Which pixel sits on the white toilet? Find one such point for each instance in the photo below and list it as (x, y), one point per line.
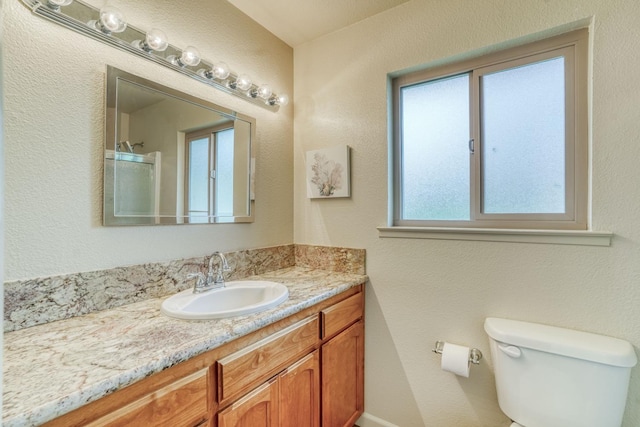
(555, 377)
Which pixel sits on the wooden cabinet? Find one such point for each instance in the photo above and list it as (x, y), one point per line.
(257, 409)
(290, 399)
(341, 315)
(343, 362)
(243, 370)
(176, 397)
(299, 388)
(306, 370)
(343, 378)
(183, 402)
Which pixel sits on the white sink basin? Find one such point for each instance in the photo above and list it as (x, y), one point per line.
(235, 299)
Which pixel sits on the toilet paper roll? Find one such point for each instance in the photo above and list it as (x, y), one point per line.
(455, 358)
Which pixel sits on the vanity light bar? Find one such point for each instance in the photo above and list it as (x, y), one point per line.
(109, 27)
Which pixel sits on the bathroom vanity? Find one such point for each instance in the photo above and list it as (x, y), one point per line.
(299, 364)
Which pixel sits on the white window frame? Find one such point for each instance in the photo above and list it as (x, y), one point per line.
(212, 135)
(573, 47)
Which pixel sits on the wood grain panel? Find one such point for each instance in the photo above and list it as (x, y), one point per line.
(343, 378)
(182, 403)
(257, 409)
(245, 369)
(300, 393)
(339, 316)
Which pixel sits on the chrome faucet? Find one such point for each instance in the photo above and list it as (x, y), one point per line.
(205, 283)
(218, 282)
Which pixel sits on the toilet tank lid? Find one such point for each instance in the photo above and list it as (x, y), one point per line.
(565, 342)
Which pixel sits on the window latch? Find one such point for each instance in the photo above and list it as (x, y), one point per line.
(472, 146)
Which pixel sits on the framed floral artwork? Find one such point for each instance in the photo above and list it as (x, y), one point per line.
(328, 173)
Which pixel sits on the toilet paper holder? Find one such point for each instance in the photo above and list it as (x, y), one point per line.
(475, 355)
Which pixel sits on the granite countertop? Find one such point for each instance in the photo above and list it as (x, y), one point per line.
(54, 368)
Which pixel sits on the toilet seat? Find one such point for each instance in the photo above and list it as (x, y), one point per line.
(514, 424)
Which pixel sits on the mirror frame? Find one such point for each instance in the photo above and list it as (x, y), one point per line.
(111, 136)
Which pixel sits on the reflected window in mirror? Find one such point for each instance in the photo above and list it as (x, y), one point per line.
(210, 167)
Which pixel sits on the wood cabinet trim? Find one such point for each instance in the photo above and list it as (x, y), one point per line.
(245, 369)
(195, 408)
(292, 392)
(341, 315)
(265, 394)
(340, 401)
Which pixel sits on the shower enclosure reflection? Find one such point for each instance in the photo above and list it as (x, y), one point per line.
(171, 158)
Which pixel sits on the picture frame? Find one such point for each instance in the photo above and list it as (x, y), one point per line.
(328, 172)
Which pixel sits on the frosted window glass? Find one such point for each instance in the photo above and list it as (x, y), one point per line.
(224, 173)
(435, 153)
(199, 176)
(523, 148)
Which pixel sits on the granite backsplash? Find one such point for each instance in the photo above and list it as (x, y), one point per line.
(36, 301)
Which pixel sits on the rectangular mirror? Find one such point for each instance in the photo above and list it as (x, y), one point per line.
(171, 158)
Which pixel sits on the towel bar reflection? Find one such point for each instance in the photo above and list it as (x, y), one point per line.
(475, 355)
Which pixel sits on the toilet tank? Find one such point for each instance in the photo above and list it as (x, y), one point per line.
(554, 377)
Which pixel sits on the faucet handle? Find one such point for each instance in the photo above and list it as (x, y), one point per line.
(200, 280)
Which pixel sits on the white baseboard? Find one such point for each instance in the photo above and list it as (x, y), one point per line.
(368, 420)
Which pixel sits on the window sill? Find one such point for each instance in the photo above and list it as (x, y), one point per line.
(556, 237)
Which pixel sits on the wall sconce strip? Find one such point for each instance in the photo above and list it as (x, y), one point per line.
(76, 15)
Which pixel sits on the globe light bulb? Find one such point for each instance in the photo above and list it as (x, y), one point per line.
(221, 70)
(154, 40)
(282, 99)
(243, 82)
(112, 20)
(264, 91)
(190, 56)
(157, 40)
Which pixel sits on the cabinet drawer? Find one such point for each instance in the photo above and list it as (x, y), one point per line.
(340, 315)
(182, 403)
(244, 369)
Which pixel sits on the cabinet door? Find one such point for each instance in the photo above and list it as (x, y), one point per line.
(257, 409)
(300, 393)
(343, 378)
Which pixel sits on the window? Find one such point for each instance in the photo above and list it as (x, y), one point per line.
(499, 141)
(209, 171)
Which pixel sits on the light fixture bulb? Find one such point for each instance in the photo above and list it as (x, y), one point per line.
(243, 82)
(282, 99)
(56, 4)
(190, 56)
(112, 20)
(155, 40)
(221, 70)
(264, 91)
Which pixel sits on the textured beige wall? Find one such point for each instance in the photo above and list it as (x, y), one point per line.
(54, 105)
(425, 290)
